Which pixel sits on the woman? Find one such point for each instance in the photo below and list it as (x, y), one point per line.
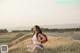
(37, 40)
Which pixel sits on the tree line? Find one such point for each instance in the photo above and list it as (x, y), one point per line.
(3, 31)
(60, 30)
(43, 29)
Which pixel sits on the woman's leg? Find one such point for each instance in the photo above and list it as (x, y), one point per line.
(38, 50)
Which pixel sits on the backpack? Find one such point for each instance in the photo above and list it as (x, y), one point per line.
(41, 35)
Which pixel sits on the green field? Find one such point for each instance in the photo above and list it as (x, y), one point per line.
(8, 37)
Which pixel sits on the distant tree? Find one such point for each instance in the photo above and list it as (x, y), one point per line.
(3, 30)
(21, 31)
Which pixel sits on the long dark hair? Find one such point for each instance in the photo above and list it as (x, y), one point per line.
(38, 29)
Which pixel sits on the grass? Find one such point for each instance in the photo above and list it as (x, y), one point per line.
(67, 42)
(8, 37)
(62, 49)
(55, 45)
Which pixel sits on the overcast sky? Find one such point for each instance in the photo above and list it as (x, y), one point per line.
(15, 13)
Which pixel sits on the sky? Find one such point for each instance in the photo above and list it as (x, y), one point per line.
(17, 13)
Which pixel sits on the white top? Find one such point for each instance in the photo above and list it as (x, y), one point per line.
(34, 39)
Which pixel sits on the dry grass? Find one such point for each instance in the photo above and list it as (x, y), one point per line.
(67, 42)
(55, 45)
(62, 45)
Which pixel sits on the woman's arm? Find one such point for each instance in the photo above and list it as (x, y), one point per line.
(41, 37)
